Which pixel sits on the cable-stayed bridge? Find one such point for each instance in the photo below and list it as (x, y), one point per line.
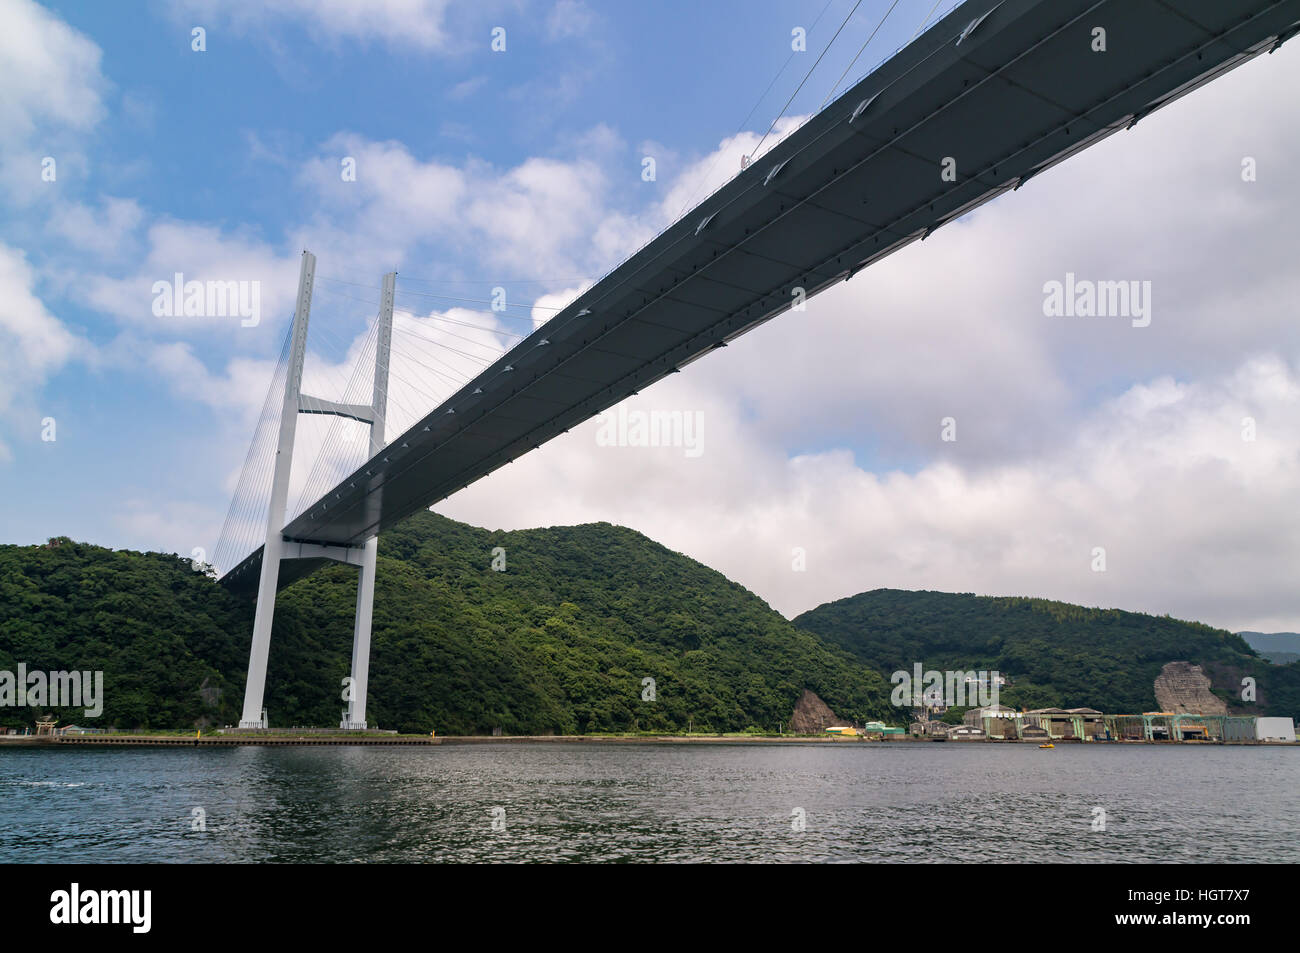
(993, 93)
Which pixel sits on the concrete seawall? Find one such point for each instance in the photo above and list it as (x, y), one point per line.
(255, 740)
(220, 741)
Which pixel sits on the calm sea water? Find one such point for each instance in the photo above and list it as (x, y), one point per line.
(860, 802)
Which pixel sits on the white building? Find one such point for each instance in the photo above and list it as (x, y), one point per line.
(1274, 729)
(976, 716)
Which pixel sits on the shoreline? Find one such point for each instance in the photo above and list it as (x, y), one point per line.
(340, 740)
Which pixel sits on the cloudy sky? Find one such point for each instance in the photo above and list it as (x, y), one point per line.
(1174, 447)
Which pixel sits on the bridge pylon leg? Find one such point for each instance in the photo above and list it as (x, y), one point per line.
(255, 687)
(354, 716)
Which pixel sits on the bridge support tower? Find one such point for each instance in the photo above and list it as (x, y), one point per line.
(279, 549)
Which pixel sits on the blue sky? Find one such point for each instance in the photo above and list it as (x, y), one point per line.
(183, 124)
(217, 139)
(523, 169)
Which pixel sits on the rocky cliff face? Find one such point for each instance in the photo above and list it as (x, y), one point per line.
(812, 716)
(1182, 688)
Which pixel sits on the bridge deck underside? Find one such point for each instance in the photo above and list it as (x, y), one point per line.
(1024, 90)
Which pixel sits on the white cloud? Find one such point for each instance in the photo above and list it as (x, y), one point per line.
(33, 342)
(466, 88)
(434, 354)
(540, 203)
(411, 23)
(1059, 450)
(106, 231)
(36, 337)
(240, 388)
(536, 219)
(51, 72)
(53, 94)
(199, 253)
(549, 305)
(705, 176)
(569, 19)
(822, 429)
(954, 325)
(1195, 520)
(165, 526)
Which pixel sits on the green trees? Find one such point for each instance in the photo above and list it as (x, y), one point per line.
(156, 628)
(1054, 653)
(559, 642)
(563, 640)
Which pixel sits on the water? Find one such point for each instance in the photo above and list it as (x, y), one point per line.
(647, 802)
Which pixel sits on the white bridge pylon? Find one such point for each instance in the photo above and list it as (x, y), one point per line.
(278, 548)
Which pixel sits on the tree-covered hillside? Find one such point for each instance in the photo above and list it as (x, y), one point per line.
(156, 629)
(562, 640)
(1054, 653)
(559, 642)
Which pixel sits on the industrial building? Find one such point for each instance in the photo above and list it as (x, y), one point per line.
(1000, 723)
(1274, 729)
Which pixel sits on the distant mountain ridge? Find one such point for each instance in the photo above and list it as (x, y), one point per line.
(1281, 648)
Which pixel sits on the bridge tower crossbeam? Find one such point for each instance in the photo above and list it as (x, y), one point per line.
(278, 548)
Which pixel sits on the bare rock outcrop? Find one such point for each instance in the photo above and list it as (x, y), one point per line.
(1182, 688)
(812, 716)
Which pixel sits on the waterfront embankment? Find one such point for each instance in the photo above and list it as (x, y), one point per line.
(257, 739)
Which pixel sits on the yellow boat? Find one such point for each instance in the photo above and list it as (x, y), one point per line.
(1047, 746)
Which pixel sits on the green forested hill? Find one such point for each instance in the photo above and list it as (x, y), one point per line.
(148, 621)
(1054, 653)
(559, 642)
